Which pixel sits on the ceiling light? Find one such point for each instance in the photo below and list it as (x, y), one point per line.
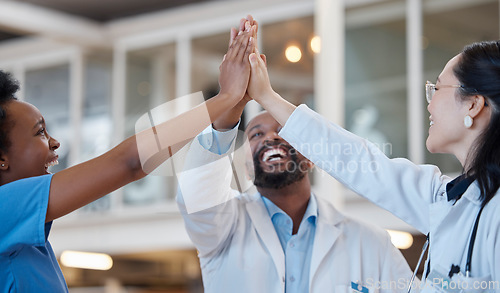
(86, 260)
(315, 44)
(293, 53)
(400, 239)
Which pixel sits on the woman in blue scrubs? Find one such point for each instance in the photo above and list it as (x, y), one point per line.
(31, 198)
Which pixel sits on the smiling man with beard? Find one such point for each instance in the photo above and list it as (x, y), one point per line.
(281, 238)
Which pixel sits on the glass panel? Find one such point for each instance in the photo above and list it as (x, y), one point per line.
(207, 54)
(292, 80)
(150, 83)
(375, 94)
(446, 31)
(97, 121)
(48, 90)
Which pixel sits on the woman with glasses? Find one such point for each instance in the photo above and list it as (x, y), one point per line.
(460, 216)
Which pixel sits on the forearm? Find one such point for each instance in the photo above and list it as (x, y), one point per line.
(278, 107)
(403, 188)
(230, 118)
(131, 160)
(158, 144)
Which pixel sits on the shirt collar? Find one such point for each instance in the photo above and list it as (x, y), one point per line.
(311, 211)
(457, 187)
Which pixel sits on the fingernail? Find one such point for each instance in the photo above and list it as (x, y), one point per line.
(240, 32)
(250, 40)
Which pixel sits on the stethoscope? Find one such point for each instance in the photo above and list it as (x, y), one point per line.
(469, 253)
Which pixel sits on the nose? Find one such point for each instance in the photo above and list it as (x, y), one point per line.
(272, 136)
(54, 144)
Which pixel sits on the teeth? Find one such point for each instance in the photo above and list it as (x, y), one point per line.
(50, 164)
(268, 154)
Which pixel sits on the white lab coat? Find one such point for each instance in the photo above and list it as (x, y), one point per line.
(415, 193)
(239, 249)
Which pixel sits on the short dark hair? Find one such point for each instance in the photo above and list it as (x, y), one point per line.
(8, 88)
(478, 71)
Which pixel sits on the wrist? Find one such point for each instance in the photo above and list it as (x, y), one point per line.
(230, 118)
(230, 97)
(266, 97)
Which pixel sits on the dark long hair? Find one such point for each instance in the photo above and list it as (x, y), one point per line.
(8, 88)
(478, 71)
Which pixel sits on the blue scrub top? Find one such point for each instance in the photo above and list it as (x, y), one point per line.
(27, 261)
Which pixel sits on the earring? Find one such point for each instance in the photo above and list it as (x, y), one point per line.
(468, 121)
(3, 165)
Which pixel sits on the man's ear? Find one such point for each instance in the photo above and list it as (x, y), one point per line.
(310, 165)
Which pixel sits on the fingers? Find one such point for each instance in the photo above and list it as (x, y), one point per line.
(245, 47)
(256, 24)
(249, 49)
(232, 36)
(238, 48)
(242, 24)
(264, 58)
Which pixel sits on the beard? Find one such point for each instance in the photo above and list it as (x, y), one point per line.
(278, 179)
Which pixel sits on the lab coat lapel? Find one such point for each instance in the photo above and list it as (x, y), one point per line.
(264, 226)
(325, 236)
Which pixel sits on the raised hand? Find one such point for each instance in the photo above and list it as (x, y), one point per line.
(259, 87)
(247, 27)
(235, 68)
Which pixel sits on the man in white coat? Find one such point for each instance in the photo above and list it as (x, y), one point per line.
(281, 238)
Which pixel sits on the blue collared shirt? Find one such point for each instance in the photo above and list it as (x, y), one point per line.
(297, 248)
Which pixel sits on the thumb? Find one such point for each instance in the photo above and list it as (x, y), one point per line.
(253, 59)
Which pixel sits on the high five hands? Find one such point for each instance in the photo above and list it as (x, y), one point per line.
(258, 87)
(253, 86)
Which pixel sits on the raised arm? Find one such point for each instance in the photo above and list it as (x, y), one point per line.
(403, 188)
(205, 198)
(79, 185)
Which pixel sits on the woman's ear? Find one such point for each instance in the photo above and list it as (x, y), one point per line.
(476, 105)
(4, 162)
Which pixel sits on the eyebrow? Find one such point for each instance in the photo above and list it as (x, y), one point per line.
(256, 126)
(40, 122)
